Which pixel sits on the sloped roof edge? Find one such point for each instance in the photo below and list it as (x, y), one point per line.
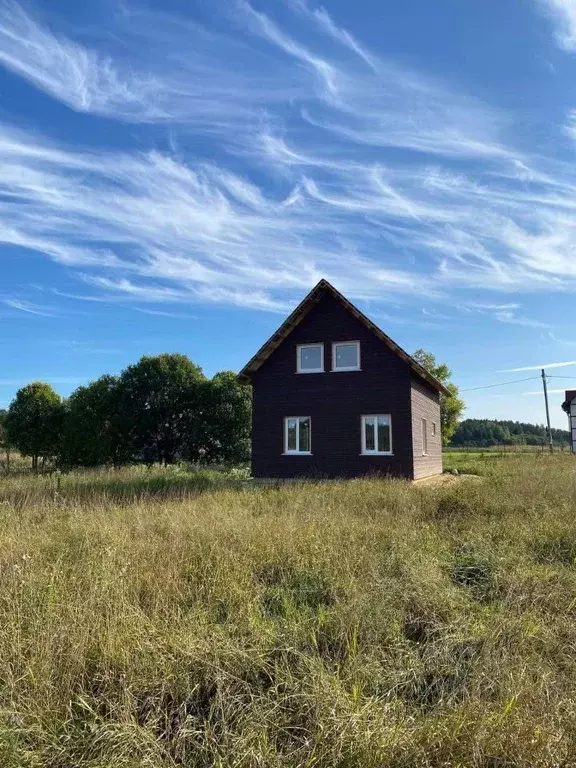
(300, 313)
(570, 396)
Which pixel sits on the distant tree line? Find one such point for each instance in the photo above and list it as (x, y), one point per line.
(484, 433)
(162, 409)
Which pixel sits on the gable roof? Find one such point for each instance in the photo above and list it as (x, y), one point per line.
(300, 313)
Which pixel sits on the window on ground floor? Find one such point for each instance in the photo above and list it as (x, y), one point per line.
(297, 435)
(377, 434)
(424, 437)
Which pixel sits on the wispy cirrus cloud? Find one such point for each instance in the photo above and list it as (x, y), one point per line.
(72, 73)
(166, 70)
(539, 392)
(29, 308)
(538, 367)
(309, 183)
(506, 313)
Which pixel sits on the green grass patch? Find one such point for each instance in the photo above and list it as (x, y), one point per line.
(183, 618)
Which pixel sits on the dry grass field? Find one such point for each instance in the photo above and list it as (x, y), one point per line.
(167, 618)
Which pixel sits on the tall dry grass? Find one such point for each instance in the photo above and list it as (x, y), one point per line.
(364, 623)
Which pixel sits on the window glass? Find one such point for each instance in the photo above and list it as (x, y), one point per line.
(346, 355)
(384, 441)
(369, 434)
(291, 435)
(424, 437)
(304, 435)
(310, 358)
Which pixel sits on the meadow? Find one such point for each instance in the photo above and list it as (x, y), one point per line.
(174, 617)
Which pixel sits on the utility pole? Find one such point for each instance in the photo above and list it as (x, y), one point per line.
(545, 385)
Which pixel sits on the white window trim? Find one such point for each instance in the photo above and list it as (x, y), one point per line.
(347, 368)
(310, 346)
(363, 451)
(296, 452)
(424, 427)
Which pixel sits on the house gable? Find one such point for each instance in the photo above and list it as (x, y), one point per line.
(319, 292)
(334, 401)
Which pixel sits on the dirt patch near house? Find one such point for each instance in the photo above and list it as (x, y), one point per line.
(447, 479)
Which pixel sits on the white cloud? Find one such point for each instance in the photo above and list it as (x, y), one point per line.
(540, 392)
(30, 308)
(563, 14)
(165, 70)
(302, 119)
(162, 313)
(538, 367)
(76, 75)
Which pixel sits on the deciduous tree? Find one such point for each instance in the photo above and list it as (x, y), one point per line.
(92, 432)
(160, 401)
(34, 422)
(227, 421)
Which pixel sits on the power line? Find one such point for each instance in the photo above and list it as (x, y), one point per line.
(502, 384)
(562, 377)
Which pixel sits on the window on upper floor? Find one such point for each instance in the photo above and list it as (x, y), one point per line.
(310, 358)
(376, 434)
(346, 356)
(297, 435)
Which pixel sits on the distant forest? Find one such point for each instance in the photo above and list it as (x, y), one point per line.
(483, 433)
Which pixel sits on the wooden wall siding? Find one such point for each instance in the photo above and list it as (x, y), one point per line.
(426, 405)
(334, 401)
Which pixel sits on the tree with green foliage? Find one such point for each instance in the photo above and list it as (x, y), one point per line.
(34, 422)
(484, 433)
(4, 444)
(451, 408)
(160, 405)
(227, 419)
(92, 431)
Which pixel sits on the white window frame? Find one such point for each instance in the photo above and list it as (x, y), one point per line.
(296, 452)
(363, 450)
(346, 368)
(433, 429)
(424, 426)
(299, 347)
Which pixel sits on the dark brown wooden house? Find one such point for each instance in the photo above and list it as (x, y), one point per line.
(334, 396)
(569, 405)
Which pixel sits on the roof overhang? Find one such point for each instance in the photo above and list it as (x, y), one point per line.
(300, 313)
(570, 397)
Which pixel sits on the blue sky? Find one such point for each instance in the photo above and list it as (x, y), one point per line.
(175, 176)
